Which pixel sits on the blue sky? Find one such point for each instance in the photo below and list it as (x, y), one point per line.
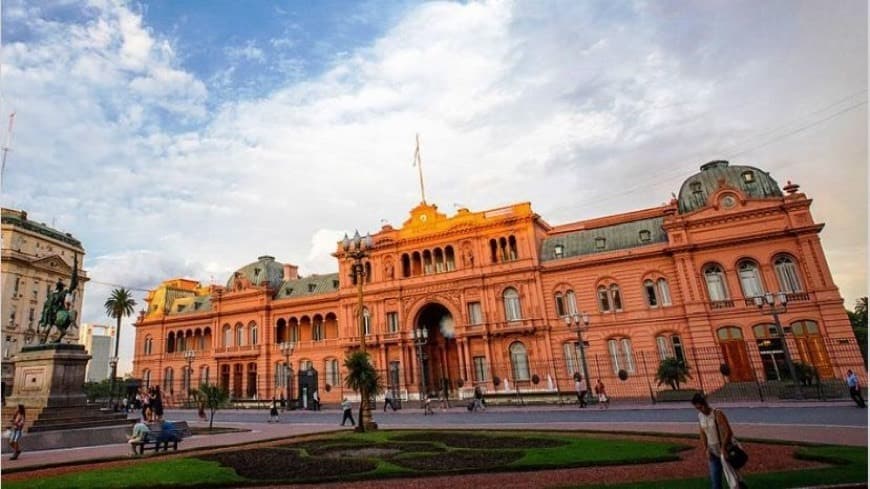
(186, 138)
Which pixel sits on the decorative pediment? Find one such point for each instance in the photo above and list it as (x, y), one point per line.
(52, 263)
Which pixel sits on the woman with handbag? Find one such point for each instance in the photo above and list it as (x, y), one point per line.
(724, 454)
(17, 430)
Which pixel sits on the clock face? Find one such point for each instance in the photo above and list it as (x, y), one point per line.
(423, 218)
(728, 201)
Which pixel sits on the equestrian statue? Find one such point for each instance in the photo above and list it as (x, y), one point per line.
(57, 311)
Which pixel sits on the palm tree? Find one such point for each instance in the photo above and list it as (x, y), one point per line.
(363, 378)
(118, 305)
(214, 398)
(672, 372)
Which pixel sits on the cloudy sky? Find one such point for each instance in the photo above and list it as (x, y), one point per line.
(188, 138)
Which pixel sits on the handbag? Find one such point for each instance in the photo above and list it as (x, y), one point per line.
(7, 433)
(734, 453)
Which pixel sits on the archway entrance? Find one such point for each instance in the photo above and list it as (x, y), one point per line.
(440, 353)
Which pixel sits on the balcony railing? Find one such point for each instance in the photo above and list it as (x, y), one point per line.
(723, 304)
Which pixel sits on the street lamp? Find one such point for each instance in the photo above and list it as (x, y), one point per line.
(287, 349)
(113, 365)
(579, 322)
(189, 355)
(421, 336)
(776, 304)
(356, 249)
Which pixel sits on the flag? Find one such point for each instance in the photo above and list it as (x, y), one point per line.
(417, 152)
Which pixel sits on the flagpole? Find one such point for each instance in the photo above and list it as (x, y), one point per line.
(418, 162)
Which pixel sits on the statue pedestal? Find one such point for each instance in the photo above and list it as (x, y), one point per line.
(49, 375)
(48, 382)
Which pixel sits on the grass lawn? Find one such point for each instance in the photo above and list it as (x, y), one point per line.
(424, 453)
(851, 466)
(174, 472)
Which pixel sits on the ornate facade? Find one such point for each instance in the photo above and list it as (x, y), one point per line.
(501, 292)
(34, 258)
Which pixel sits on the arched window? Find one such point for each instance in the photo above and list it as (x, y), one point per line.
(651, 294)
(281, 331)
(493, 251)
(615, 297)
(367, 321)
(603, 299)
(571, 302)
(750, 279)
(519, 361)
(170, 343)
(560, 305)
(228, 335)
(717, 289)
(146, 377)
(305, 365)
(621, 355)
(368, 272)
(406, 265)
(439, 260)
(255, 337)
(512, 310)
(293, 330)
(449, 259)
(332, 372)
(670, 346)
(512, 248)
(664, 292)
(168, 378)
(573, 358)
(416, 264)
(787, 274)
(240, 335)
(204, 375)
(317, 329)
(148, 345)
(427, 262)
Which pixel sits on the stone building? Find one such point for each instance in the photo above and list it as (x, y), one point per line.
(99, 340)
(502, 294)
(34, 257)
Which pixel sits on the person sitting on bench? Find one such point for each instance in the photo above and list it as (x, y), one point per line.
(168, 434)
(140, 434)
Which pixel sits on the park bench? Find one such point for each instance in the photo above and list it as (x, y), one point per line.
(153, 440)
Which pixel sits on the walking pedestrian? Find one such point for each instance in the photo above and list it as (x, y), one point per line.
(316, 398)
(17, 428)
(716, 438)
(855, 389)
(201, 412)
(346, 408)
(581, 388)
(388, 401)
(273, 412)
(478, 399)
(427, 405)
(601, 392)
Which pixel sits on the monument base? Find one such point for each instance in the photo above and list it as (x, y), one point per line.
(48, 382)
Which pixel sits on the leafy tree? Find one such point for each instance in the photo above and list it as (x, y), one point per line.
(363, 378)
(672, 372)
(214, 398)
(97, 390)
(805, 373)
(119, 304)
(858, 318)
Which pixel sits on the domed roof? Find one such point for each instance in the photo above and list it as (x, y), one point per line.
(264, 271)
(751, 181)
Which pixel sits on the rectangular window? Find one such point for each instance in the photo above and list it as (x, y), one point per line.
(17, 285)
(628, 355)
(615, 359)
(650, 290)
(475, 315)
(392, 322)
(332, 372)
(480, 369)
(31, 315)
(394, 378)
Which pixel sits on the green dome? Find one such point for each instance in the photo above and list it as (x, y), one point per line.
(751, 181)
(264, 271)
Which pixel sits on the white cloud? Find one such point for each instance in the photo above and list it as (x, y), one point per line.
(582, 110)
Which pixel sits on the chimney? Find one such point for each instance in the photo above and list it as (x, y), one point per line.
(291, 272)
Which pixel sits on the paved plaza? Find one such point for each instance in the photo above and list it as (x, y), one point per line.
(829, 423)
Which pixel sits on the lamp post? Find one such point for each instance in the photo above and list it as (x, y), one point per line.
(579, 322)
(113, 365)
(189, 355)
(421, 336)
(287, 349)
(776, 304)
(356, 249)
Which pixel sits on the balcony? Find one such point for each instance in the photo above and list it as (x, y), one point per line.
(790, 297)
(723, 304)
(522, 326)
